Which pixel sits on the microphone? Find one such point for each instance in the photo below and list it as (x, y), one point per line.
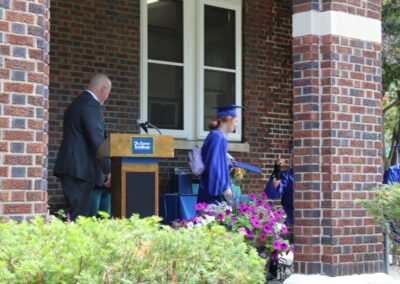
(143, 125)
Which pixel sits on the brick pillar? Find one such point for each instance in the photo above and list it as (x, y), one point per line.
(337, 135)
(24, 73)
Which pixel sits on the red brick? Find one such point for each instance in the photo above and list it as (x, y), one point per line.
(36, 196)
(17, 160)
(40, 208)
(347, 258)
(36, 78)
(3, 171)
(4, 98)
(18, 135)
(34, 172)
(34, 148)
(36, 124)
(4, 123)
(17, 208)
(19, 40)
(20, 64)
(4, 26)
(16, 184)
(4, 196)
(4, 74)
(19, 5)
(36, 54)
(19, 111)
(17, 196)
(20, 17)
(18, 87)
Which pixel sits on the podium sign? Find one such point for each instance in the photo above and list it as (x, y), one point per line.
(134, 171)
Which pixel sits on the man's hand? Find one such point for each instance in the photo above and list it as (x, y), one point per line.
(108, 181)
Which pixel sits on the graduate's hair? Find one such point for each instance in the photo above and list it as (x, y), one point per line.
(214, 123)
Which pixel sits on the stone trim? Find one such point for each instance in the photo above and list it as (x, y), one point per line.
(336, 23)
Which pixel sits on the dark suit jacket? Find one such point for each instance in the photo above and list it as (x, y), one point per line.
(83, 133)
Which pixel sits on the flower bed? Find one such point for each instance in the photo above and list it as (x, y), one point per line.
(259, 223)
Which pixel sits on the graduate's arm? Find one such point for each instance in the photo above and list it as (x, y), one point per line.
(214, 158)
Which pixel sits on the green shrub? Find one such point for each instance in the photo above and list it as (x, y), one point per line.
(385, 208)
(124, 251)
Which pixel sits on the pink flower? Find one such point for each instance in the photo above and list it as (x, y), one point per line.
(228, 212)
(262, 237)
(276, 245)
(261, 215)
(264, 195)
(259, 202)
(252, 208)
(184, 224)
(284, 230)
(220, 217)
(243, 209)
(252, 196)
(279, 213)
(284, 246)
(242, 230)
(253, 217)
(200, 206)
(255, 223)
(267, 228)
(249, 234)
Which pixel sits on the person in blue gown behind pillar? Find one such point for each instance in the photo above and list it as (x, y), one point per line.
(215, 181)
(280, 185)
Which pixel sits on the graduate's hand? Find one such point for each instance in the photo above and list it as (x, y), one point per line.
(280, 162)
(228, 195)
(276, 183)
(276, 174)
(108, 181)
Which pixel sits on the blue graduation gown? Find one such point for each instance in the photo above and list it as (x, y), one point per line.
(215, 178)
(392, 175)
(284, 191)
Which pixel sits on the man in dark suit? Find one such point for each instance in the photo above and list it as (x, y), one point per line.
(83, 133)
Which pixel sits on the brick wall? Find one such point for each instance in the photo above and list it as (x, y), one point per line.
(24, 36)
(337, 141)
(368, 8)
(107, 40)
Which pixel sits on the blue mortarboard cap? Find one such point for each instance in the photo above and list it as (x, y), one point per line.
(229, 110)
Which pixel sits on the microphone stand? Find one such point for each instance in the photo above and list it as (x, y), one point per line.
(155, 127)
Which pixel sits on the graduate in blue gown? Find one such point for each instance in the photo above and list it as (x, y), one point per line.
(392, 174)
(215, 180)
(280, 185)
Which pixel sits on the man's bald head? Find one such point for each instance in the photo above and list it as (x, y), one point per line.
(100, 85)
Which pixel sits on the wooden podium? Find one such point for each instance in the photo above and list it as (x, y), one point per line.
(134, 171)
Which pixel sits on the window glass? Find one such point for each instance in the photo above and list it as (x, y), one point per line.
(219, 90)
(165, 30)
(165, 96)
(219, 37)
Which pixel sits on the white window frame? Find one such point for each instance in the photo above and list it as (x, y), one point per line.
(193, 66)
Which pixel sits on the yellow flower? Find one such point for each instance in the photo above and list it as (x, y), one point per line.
(237, 173)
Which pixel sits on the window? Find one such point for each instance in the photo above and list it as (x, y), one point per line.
(190, 63)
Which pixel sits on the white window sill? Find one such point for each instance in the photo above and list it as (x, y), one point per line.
(232, 146)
